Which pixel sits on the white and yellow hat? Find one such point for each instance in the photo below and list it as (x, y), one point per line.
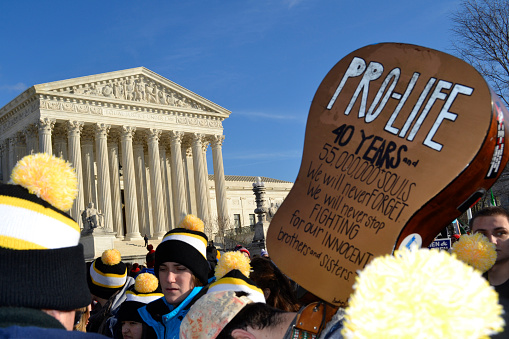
(41, 259)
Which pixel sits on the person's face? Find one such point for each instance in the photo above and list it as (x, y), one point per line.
(176, 281)
(132, 330)
(496, 229)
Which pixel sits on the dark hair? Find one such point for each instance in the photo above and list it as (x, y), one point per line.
(267, 276)
(257, 316)
(489, 212)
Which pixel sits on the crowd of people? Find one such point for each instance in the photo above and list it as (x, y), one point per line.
(186, 288)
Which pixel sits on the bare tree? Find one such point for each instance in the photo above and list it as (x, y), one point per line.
(482, 31)
(216, 228)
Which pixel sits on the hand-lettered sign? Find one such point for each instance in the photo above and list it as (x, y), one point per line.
(400, 140)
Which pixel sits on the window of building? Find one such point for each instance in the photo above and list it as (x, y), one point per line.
(251, 220)
(236, 220)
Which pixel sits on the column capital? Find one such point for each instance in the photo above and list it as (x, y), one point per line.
(46, 124)
(176, 136)
(74, 127)
(154, 134)
(102, 129)
(217, 140)
(128, 131)
(198, 137)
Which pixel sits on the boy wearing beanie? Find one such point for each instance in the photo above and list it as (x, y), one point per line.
(182, 269)
(36, 232)
(108, 281)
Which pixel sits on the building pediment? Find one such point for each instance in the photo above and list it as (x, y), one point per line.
(135, 86)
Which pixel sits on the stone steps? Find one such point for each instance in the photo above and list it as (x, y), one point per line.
(134, 250)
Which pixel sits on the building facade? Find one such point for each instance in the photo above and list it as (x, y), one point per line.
(138, 142)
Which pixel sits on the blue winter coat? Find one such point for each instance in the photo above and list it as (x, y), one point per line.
(164, 318)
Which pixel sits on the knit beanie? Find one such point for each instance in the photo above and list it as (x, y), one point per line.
(232, 274)
(41, 259)
(185, 245)
(244, 250)
(107, 274)
(145, 290)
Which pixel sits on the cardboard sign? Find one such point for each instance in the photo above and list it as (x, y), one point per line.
(400, 140)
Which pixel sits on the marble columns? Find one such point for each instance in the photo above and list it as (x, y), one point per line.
(103, 175)
(74, 129)
(177, 176)
(200, 179)
(130, 197)
(217, 156)
(156, 183)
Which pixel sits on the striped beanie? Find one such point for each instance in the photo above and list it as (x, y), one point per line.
(145, 290)
(42, 261)
(232, 274)
(187, 246)
(107, 274)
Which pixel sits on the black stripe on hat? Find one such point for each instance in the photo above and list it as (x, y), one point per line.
(184, 254)
(52, 279)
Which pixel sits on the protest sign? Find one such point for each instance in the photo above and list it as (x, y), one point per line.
(400, 140)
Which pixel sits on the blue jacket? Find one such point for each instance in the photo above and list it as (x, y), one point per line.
(164, 318)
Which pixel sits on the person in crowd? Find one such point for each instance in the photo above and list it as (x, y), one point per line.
(231, 314)
(145, 237)
(232, 273)
(43, 268)
(275, 285)
(108, 281)
(135, 270)
(212, 257)
(182, 269)
(264, 253)
(81, 318)
(244, 251)
(129, 324)
(150, 257)
(493, 222)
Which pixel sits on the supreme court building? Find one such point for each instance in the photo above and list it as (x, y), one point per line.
(138, 142)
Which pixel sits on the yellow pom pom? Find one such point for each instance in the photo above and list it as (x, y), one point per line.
(421, 294)
(111, 257)
(146, 283)
(193, 223)
(475, 250)
(50, 178)
(231, 261)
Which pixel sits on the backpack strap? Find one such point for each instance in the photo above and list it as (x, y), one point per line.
(312, 320)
